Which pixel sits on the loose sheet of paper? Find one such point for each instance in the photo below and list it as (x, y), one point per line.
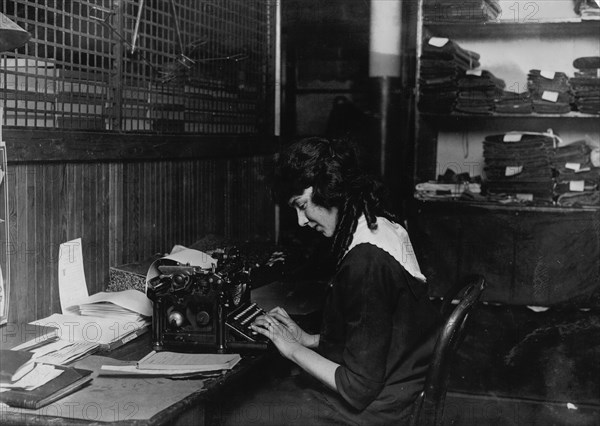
(184, 256)
(72, 288)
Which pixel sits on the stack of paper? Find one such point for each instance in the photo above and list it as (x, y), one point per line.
(26, 336)
(103, 320)
(127, 306)
(105, 332)
(62, 352)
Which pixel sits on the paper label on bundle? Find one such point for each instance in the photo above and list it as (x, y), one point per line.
(548, 74)
(550, 96)
(476, 73)
(577, 185)
(438, 41)
(512, 137)
(524, 197)
(513, 170)
(573, 166)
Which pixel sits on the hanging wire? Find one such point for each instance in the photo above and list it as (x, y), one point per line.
(177, 69)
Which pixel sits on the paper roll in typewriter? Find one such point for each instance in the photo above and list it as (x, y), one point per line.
(202, 303)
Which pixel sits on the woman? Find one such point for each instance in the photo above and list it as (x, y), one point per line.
(378, 328)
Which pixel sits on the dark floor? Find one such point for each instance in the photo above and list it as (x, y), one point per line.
(519, 367)
(515, 367)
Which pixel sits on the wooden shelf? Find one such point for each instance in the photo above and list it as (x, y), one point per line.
(560, 29)
(494, 116)
(453, 203)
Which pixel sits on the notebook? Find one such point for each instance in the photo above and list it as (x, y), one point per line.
(68, 382)
(166, 360)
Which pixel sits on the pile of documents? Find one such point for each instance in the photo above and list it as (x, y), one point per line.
(101, 321)
(105, 320)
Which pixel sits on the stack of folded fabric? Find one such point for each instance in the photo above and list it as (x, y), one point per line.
(589, 10)
(572, 158)
(586, 84)
(459, 12)
(519, 164)
(478, 91)
(514, 103)
(550, 92)
(577, 180)
(443, 61)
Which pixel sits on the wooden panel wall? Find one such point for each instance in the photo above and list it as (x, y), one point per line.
(124, 212)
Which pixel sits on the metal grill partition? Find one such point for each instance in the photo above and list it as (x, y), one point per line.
(155, 66)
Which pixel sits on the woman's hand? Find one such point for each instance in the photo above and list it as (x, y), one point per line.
(305, 339)
(283, 331)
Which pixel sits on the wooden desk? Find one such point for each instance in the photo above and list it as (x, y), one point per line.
(138, 401)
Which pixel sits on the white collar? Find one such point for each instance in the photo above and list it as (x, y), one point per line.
(393, 239)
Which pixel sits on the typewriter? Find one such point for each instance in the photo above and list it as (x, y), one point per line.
(205, 310)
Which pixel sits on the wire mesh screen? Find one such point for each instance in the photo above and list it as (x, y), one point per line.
(160, 66)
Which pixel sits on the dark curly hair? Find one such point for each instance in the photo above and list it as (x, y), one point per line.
(332, 168)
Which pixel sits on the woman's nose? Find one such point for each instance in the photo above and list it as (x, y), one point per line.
(302, 220)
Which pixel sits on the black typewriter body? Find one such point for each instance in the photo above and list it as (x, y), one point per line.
(204, 310)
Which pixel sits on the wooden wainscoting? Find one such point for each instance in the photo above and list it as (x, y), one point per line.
(124, 212)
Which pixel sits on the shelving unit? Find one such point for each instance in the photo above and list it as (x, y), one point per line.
(522, 258)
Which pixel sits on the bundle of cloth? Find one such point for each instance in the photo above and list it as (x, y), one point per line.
(514, 103)
(585, 85)
(452, 11)
(577, 177)
(478, 92)
(443, 62)
(589, 10)
(550, 92)
(519, 164)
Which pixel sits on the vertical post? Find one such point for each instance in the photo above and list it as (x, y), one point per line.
(277, 101)
(118, 53)
(384, 73)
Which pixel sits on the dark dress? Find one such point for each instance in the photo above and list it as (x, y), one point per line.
(380, 326)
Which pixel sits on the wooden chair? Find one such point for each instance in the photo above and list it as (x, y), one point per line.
(429, 406)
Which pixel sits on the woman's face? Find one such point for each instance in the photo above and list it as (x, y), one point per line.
(318, 218)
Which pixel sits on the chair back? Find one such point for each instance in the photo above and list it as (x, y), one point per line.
(429, 407)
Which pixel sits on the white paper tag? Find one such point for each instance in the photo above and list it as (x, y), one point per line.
(513, 170)
(598, 72)
(577, 185)
(550, 96)
(548, 74)
(512, 137)
(573, 166)
(438, 41)
(524, 197)
(474, 72)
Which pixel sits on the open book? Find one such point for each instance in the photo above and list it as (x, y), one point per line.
(187, 361)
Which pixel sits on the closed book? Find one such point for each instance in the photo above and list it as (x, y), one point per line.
(68, 382)
(14, 365)
(166, 360)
